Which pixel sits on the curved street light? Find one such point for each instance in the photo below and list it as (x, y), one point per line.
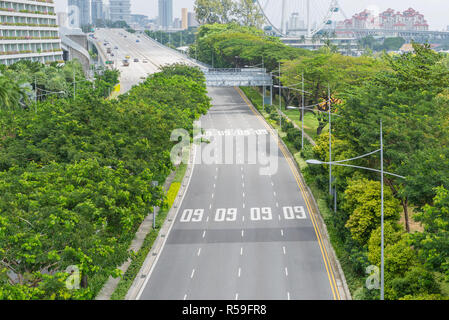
(382, 173)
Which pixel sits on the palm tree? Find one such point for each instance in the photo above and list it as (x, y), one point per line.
(11, 93)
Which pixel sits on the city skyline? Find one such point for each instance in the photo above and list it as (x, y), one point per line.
(434, 10)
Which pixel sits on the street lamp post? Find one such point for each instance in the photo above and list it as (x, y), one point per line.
(382, 262)
(280, 96)
(330, 139)
(154, 184)
(382, 173)
(302, 113)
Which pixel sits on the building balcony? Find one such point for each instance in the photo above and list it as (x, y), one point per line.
(29, 54)
(27, 26)
(20, 40)
(46, 3)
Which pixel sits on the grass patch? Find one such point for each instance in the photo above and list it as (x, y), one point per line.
(310, 121)
(138, 258)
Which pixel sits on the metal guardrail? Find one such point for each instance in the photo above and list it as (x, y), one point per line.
(217, 77)
(237, 70)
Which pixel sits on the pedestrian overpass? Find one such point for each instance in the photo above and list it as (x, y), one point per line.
(238, 77)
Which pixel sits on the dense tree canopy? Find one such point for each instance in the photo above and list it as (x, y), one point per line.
(75, 179)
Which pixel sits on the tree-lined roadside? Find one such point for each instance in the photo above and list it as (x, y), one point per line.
(76, 180)
(409, 93)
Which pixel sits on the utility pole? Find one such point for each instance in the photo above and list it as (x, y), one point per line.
(263, 91)
(330, 138)
(382, 213)
(74, 84)
(280, 97)
(35, 89)
(154, 184)
(302, 114)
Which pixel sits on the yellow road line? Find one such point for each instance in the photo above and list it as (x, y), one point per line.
(328, 266)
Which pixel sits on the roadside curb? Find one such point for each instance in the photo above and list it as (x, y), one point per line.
(343, 289)
(156, 250)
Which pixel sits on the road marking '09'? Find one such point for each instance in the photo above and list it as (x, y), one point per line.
(255, 214)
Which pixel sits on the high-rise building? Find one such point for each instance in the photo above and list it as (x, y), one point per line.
(185, 18)
(79, 13)
(63, 20)
(165, 13)
(120, 10)
(191, 18)
(97, 10)
(29, 32)
(106, 12)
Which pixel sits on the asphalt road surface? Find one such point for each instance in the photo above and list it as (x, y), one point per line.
(239, 234)
(156, 54)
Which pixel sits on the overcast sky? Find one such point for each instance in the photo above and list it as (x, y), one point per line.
(435, 11)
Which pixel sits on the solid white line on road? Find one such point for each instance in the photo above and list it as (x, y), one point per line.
(193, 272)
(204, 233)
(283, 249)
(240, 271)
(199, 252)
(286, 271)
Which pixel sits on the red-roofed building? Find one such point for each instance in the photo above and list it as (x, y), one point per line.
(390, 19)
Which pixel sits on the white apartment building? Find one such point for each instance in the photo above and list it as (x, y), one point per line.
(29, 31)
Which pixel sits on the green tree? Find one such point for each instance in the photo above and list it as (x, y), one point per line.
(432, 243)
(363, 203)
(214, 11)
(248, 13)
(405, 97)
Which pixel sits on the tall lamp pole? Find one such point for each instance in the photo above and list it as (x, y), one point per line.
(302, 114)
(330, 138)
(382, 219)
(280, 97)
(382, 262)
(154, 184)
